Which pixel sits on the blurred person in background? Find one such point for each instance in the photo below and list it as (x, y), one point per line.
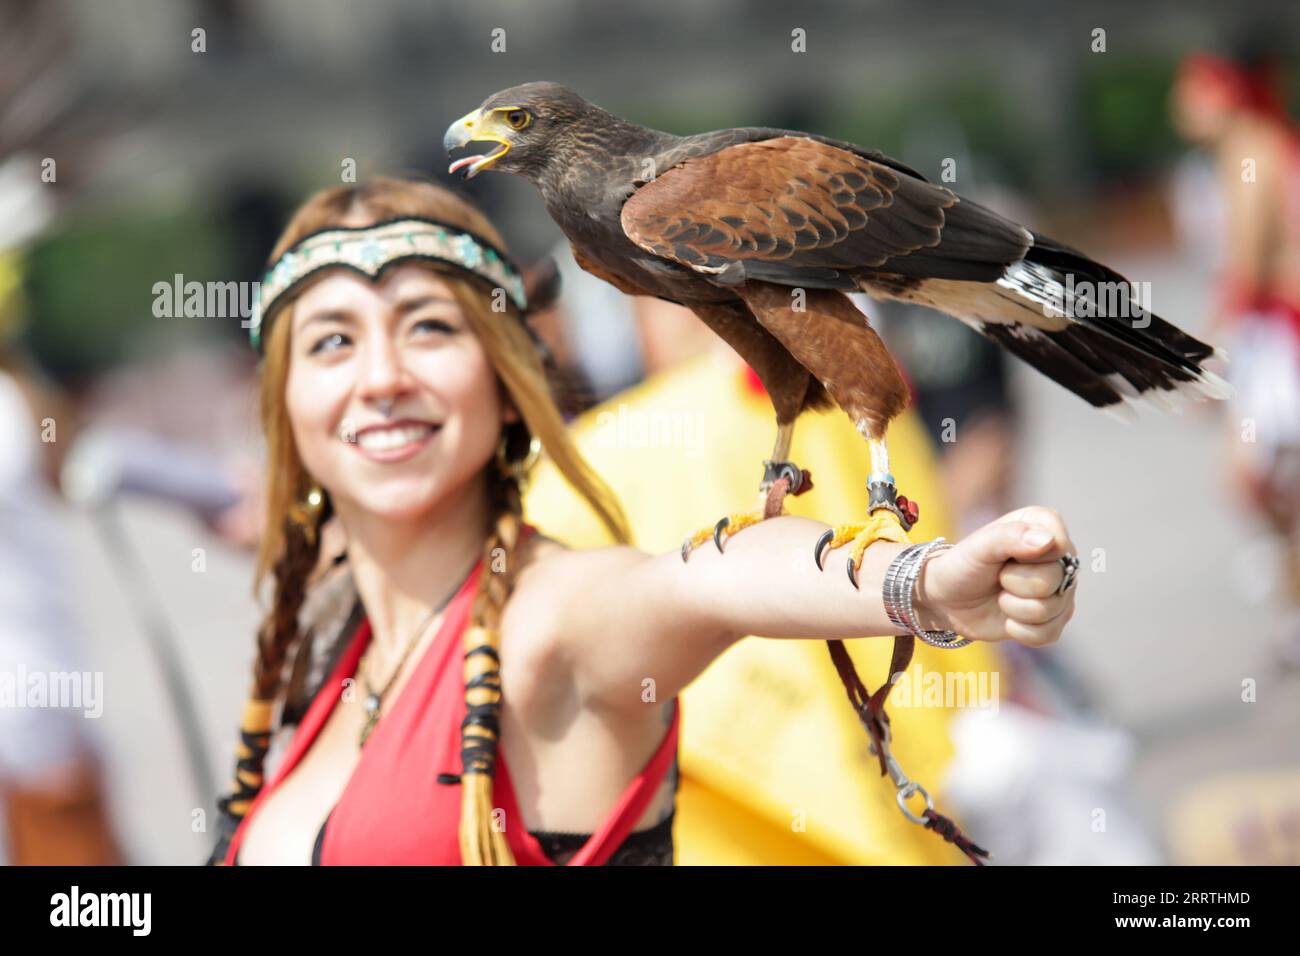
(591, 335)
(52, 798)
(1233, 106)
(1242, 213)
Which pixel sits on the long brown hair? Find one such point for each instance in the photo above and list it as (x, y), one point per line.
(290, 547)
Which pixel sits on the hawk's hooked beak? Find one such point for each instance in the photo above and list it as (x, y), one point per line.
(471, 128)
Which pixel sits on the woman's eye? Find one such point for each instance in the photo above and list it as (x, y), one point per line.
(329, 343)
(433, 325)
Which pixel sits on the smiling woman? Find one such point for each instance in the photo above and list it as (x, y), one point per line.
(382, 402)
(352, 344)
(526, 690)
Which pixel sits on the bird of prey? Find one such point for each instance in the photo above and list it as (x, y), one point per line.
(762, 232)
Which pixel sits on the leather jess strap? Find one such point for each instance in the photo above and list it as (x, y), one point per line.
(870, 709)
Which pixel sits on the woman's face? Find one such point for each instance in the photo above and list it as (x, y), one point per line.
(1202, 108)
(355, 345)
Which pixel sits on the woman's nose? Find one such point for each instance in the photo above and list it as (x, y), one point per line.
(383, 374)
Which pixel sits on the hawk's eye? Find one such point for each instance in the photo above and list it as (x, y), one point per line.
(518, 119)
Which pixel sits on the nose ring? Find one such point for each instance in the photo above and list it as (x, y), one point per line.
(385, 407)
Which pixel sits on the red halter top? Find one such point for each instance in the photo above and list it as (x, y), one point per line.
(393, 811)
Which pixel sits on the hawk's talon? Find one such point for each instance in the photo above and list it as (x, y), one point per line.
(877, 527)
(717, 532)
(819, 555)
(773, 492)
(725, 528)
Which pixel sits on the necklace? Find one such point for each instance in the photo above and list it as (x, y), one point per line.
(375, 698)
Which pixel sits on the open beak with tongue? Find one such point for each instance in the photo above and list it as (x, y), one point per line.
(474, 127)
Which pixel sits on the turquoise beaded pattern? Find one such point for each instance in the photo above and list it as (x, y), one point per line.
(371, 250)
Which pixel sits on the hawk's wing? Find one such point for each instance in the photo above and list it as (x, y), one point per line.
(797, 211)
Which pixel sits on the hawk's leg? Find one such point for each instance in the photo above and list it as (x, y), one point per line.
(781, 477)
(889, 515)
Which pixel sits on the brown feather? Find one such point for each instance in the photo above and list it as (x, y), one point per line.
(790, 386)
(832, 339)
(783, 199)
(587, 264)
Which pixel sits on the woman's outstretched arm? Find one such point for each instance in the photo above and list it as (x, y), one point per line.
(622, 616)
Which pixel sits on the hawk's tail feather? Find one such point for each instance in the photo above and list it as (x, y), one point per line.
(1056, 263)
(1106, 373)
(1107, 355)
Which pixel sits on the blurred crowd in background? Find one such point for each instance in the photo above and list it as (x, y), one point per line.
(138, 155)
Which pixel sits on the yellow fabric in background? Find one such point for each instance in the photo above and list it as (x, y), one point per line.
(775, 766)
(11, 296)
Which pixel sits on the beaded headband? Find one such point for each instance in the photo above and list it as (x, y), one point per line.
(372, 250)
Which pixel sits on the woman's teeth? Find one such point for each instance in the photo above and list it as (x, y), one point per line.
(385, 439)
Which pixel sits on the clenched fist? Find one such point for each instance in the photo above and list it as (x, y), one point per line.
(1001, 581)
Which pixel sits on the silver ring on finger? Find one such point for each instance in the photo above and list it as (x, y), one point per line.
(1070, 569)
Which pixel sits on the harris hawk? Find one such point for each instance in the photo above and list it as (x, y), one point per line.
(761, 232)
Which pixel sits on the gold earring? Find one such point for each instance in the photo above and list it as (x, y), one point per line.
(517, 470)
(306, 513)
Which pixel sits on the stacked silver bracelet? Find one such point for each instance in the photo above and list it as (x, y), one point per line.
(900, 588)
